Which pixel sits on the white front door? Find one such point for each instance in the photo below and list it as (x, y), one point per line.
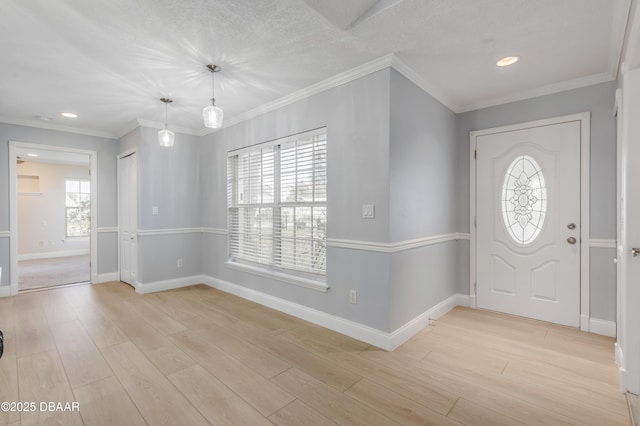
(128, 217)
(528, 222)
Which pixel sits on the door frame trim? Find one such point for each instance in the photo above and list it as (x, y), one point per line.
(13, 202)
(585, 155)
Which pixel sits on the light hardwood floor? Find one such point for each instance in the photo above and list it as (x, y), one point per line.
(199, 356)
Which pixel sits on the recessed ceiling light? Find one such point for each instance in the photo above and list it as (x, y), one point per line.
(32, 155)
(69, 115)
(507, 60)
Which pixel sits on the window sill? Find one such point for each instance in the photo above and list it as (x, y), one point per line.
(280, 276)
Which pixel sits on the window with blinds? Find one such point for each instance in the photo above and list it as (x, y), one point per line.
(277, 203)
(78, 207)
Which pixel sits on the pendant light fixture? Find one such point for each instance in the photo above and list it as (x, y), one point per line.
(166, 136)
(212, 114)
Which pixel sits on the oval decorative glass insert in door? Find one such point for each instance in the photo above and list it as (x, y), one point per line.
(524, 200)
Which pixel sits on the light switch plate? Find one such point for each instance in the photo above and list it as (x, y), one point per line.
(368, 211)
(154, 210)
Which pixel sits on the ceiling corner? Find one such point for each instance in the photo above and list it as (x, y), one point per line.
(403, 68)
(620, 26)
(630, 53)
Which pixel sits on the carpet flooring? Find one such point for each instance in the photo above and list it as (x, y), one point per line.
(41, 273)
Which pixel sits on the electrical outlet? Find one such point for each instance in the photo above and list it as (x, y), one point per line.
(179, 263)
(368, 211)
(353, 296)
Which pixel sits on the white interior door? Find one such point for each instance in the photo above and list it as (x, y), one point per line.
(630, 233)
(128, 217)
(528, 222)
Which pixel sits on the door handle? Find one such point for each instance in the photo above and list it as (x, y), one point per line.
(635, 251)
(572, 240)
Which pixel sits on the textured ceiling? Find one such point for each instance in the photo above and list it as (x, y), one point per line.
(110, 61)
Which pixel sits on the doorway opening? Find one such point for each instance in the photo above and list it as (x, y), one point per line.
(53, 216)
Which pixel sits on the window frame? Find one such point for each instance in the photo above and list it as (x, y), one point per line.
(80, 181)
(312, 276)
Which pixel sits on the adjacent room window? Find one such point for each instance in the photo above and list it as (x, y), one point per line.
(277, 203)
(77, 202)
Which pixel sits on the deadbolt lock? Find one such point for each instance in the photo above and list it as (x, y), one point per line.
(571, 226)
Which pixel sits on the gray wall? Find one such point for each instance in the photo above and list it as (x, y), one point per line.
(106, 152)
(423, 199)
(129, 141)
(389, 144)
(356, 115)
(599, 100)
(169, 178)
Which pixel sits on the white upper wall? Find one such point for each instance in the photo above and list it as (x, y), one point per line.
(41, 216)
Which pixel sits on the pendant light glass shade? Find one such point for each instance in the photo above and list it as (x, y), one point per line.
(212, 114)
(165, 136)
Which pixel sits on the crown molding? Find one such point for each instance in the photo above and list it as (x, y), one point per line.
(57, 127)
(619, 29)
(408, 72)
(551, 89)
(133, 125)
(331, 82)
(630, 55)
(335, 81)
(387, 61)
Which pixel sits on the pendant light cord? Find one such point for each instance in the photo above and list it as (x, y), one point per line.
(213, 89)
(166, 102)
(165, 115)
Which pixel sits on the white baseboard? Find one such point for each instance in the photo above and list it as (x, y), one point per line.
(605, 328)
(623, 380)
(52, 254)
(152, 287)
(380, 339)
(375, 337)
(584, 322)
(5, 291)
(619, 355)
(472, 301)
(111, 276)
(463, 300)
(350, 328)
(411, 328)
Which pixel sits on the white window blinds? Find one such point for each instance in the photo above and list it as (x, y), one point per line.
(78, 203)
(277, 203)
